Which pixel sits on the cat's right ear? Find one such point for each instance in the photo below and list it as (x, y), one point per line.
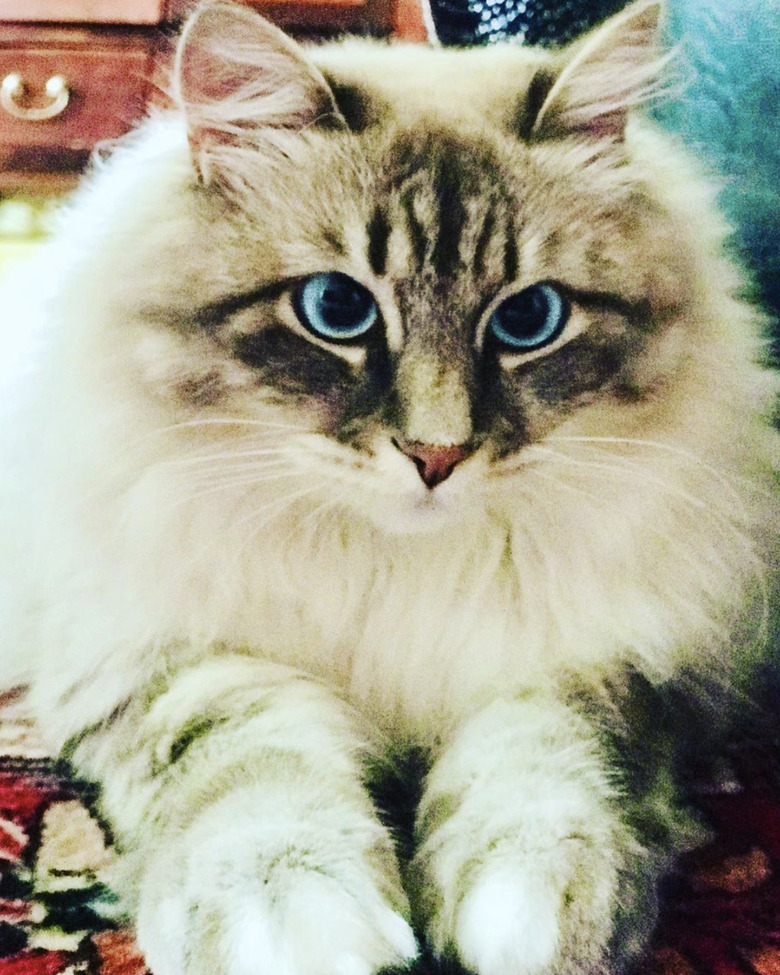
(592, 86)
(244, 87)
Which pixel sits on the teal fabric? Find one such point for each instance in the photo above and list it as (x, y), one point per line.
(728, 109)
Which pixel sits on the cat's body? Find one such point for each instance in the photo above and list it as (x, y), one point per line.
(259, 546)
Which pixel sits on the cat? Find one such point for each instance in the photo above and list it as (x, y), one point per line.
(389, 410)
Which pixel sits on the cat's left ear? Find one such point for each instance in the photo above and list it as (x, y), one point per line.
(598, 80)
(244, 86)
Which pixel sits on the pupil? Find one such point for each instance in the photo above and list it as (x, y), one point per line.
(342, 305)
(526, 314)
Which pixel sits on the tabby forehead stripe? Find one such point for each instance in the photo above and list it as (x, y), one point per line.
(486, 234)
(418, 236)
(378, 238)
(446, 250)
(511, 256)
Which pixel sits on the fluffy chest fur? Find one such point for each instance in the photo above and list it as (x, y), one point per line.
(594, 553)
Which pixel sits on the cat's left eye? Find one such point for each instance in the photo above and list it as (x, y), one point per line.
(529, 319)
(335, 307)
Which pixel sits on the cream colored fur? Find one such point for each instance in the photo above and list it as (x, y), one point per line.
(334, 612)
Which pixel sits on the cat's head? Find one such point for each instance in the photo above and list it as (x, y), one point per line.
(407, 267)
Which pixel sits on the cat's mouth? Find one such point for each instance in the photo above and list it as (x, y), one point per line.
(413, 506)
(402, 488)
(415, 512)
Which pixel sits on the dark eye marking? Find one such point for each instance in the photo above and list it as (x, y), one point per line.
(635, 310)
(579, 369)
(212, 316)
(289, 362)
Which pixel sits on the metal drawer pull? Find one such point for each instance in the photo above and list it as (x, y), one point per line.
(12, 90)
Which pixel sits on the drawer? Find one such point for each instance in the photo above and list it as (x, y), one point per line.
(106, 90)
(84, 11)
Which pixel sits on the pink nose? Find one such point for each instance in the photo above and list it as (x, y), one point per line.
(434, 464)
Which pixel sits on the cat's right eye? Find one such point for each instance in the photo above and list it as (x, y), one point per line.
(335, 307)
(529, 319)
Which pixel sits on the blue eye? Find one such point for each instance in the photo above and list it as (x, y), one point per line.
(530, 319)
(335, 307)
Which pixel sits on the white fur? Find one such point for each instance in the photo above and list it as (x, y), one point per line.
(287, 917)
(503, 927)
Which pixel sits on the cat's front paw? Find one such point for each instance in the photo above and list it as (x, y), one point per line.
(526, 912)
(524, 863)
(316, 928)
(244, 904)
(552, 913)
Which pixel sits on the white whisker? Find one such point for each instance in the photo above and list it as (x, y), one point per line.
(315, 515)
(623, 468)
(234, 422)
(559, 483)
(726, 519)
(275, 508)
(674, 449)
(194, 459)
(232, 483)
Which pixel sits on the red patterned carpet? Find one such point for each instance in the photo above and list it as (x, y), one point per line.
(58, 917)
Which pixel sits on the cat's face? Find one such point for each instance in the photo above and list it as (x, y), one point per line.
(417, 299)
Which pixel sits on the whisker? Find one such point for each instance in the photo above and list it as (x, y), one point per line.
(234, 421)
(273, 507)
(558, 482)
(241, 456)
(305, 524)
(228, 484)
(674, 449)
(626, 471)
(726, 521)
(250, 462)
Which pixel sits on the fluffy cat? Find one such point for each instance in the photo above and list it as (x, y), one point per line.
(388, 401)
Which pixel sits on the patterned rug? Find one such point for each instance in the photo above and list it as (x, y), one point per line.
(721, 911)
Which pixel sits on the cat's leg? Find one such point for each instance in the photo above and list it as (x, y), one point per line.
(528, 861)
(249, 843)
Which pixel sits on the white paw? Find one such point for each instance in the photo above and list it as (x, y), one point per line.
(506, 925)
(274, 899)
(529, 912)
(314, 928)
(522, 859)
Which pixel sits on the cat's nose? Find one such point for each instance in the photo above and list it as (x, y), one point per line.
(434, 463)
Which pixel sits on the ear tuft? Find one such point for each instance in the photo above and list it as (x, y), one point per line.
(241, 82)
(604, 75)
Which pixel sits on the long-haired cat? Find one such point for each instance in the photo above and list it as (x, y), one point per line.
(387, 401)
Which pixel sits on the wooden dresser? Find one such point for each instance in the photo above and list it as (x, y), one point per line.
(75, 73)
